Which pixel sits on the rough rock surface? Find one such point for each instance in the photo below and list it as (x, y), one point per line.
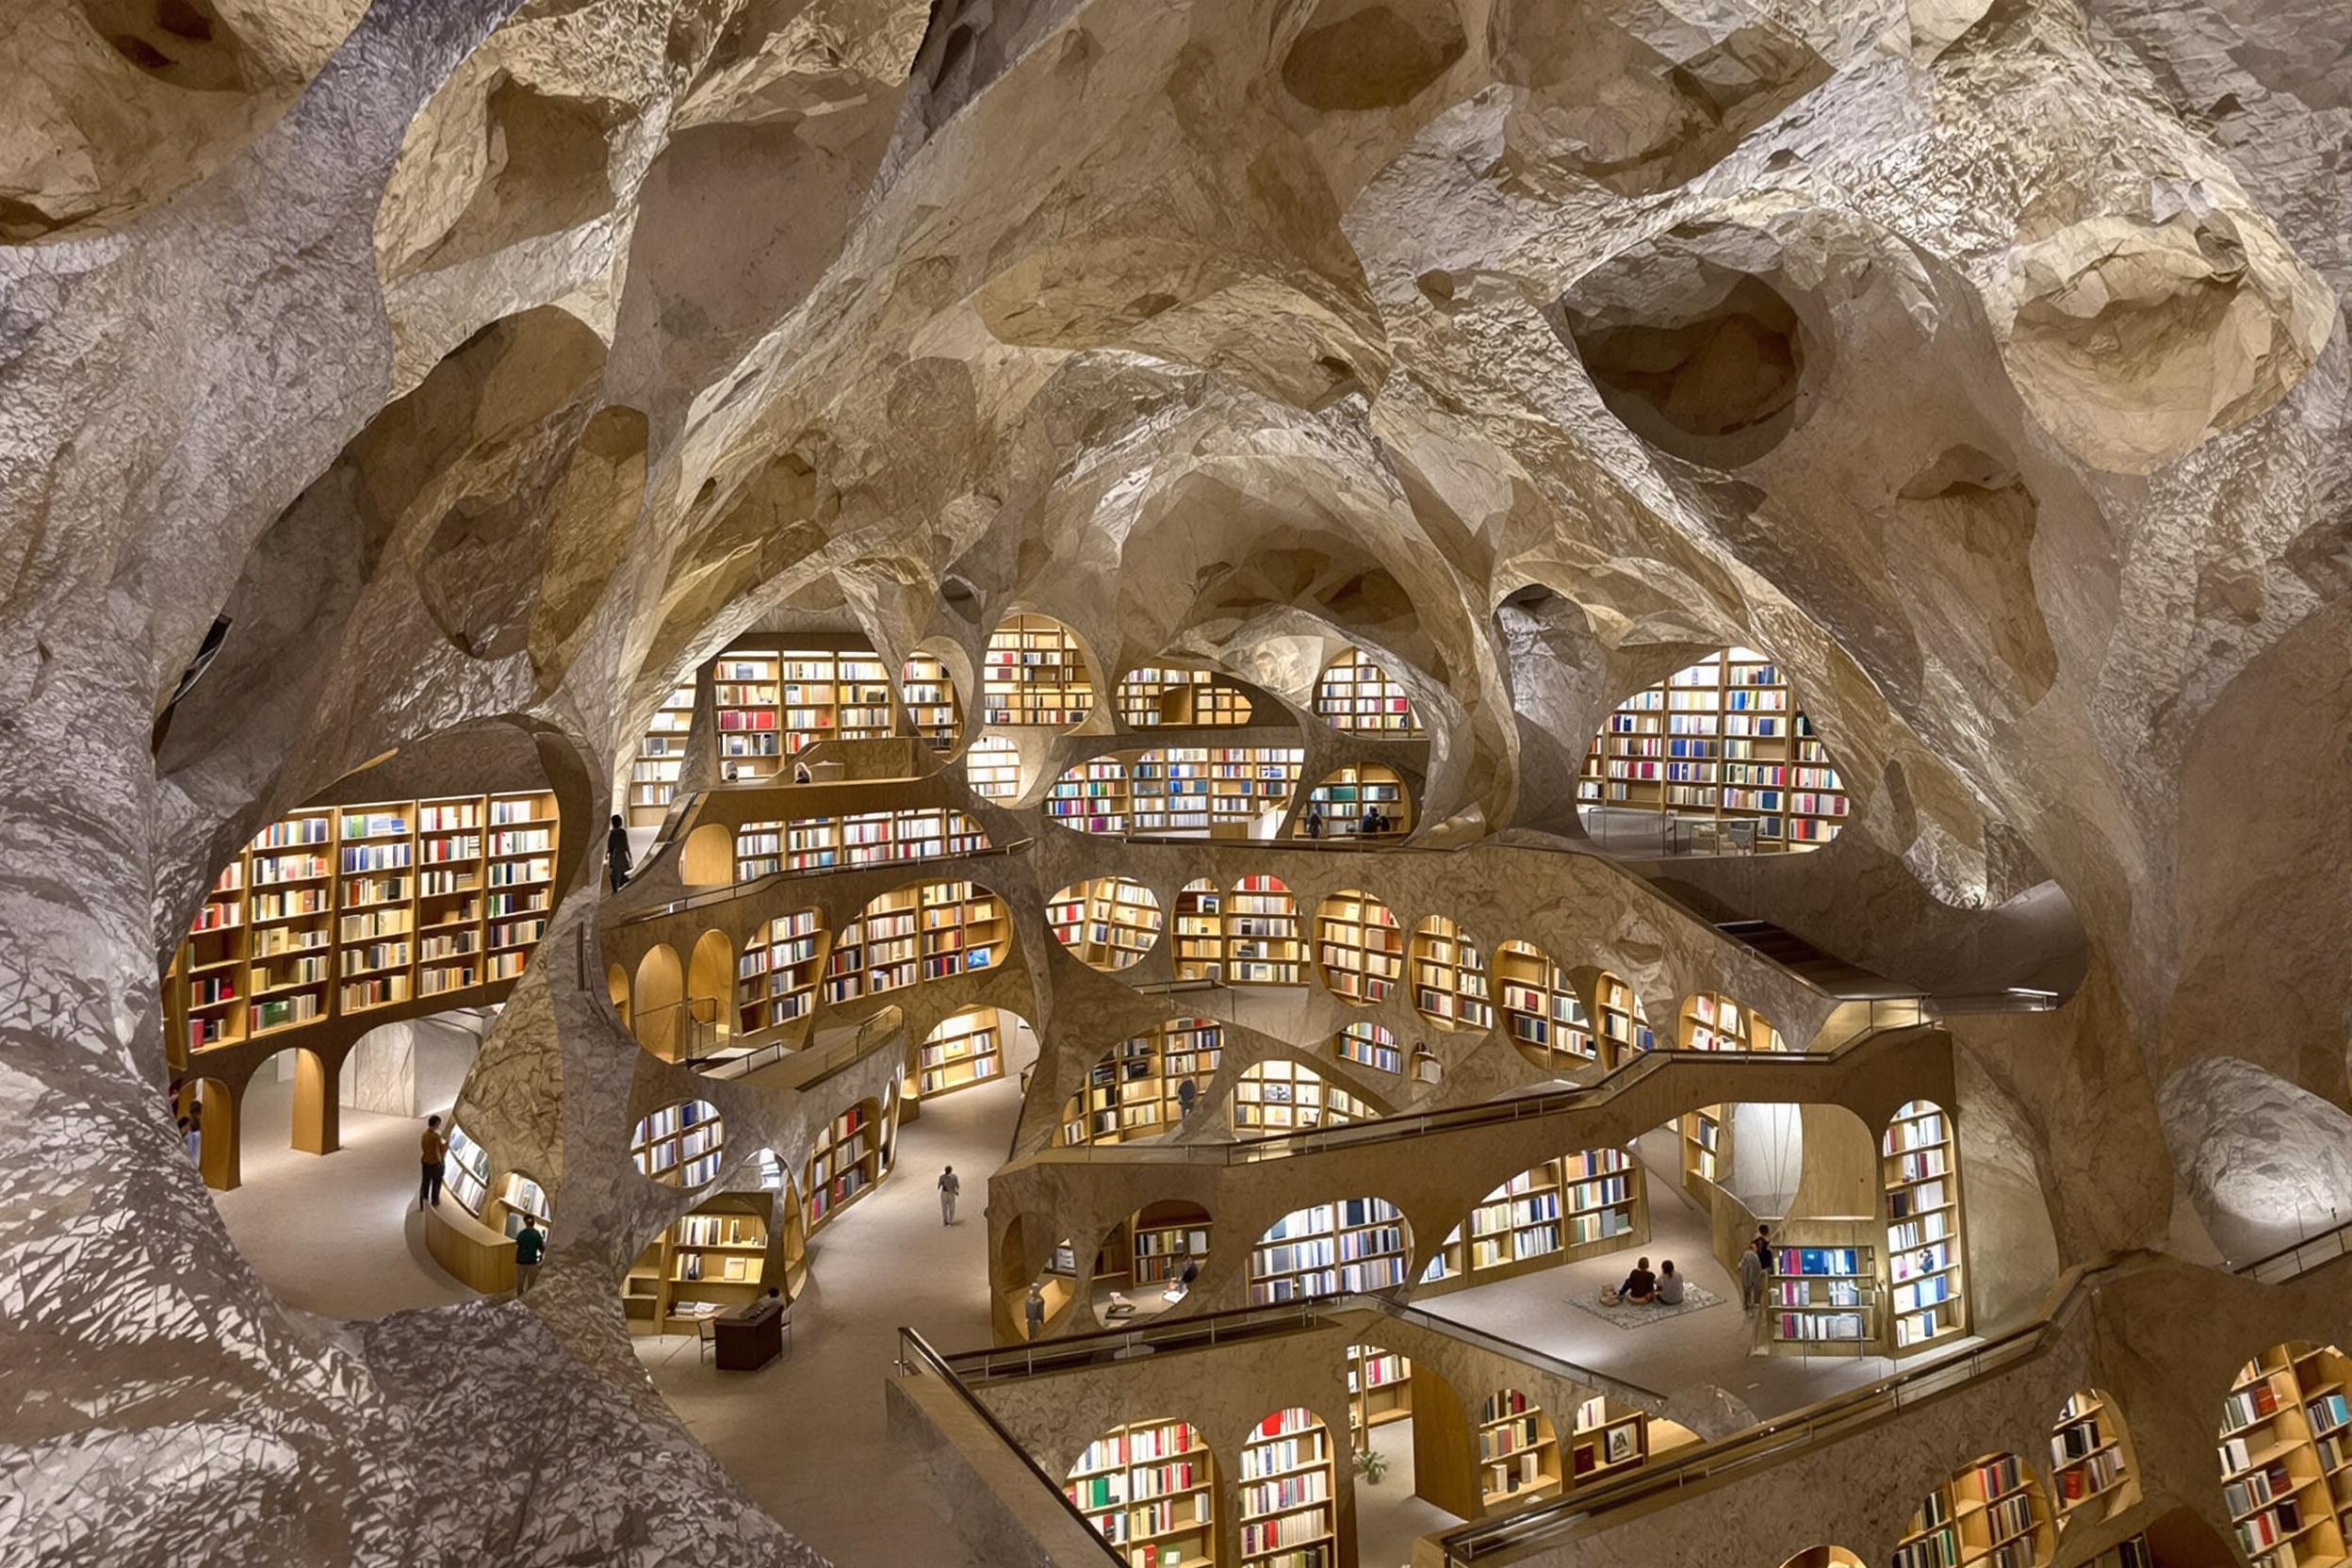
(492, 362)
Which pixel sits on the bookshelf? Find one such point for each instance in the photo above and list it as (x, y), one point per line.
(1163, 1238)
(1924, 1234)
(1379, 1390)
(776, 974)
(1162, 698)
(1358, 1244)
(703, 1262)
(1712, 1022)
(678, 1144)
(1139, 1089)
(1579, 1205)
(1992, 1512)
(861, 839)
(467, 1178)
(1035, 675)
(932, 931)
(1261, 945)
(928, 692)
(1603, 1442)
(2285, 1431)
(340, 911)
(1109, 923)
(748, 694)
(1625, 1027)
(1705, 1150)
(519, 1199)
(846, 1165)
(1449, 982)
(2090, 1471)
(1344, 796)
(992, 768)
(1518, 1451)
(1281, 1096)
(1359, 950)
(1288, 1494)
(1149, 1488)
(1370, 1045)
(1822, 1297)
(1542, 1011)
(1203, 791)
(660, 756)
(964, 1049)
(1091, 797)
(1199, 915)
(1719, 742)
(1354, 693)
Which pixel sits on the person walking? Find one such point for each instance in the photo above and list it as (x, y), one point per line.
(433, 1150)
(616, 856)
(950, 1185)
(1751, 1279)
(531, 1245)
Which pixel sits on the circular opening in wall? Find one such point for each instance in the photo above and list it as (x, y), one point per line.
(1372, 54)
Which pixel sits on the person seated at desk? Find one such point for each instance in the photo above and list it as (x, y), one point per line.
(1640, 1289)
(1669, 1285)
(1183, 1287)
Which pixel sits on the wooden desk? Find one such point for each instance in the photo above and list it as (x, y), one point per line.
(750, 1337)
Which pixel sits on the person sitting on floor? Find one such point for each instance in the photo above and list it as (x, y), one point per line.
(1669, 1285)
(1640, 1289)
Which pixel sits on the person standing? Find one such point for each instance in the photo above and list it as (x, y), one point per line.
(531, 1245)
(1751, 1279)
(1033, 1312)
(190, 1139)
(434, 1150)
(1315, 821)
(617, 855)
(950, 1185)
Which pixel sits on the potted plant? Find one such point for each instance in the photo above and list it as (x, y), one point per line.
(1371, 1464)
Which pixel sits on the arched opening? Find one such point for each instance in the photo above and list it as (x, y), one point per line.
(1355, 694)
(1541, 1009)
(992, 768)
(660, 992)
(1823, 1557)
(1359, 950)
(2092, 1475)
(1091, 797)
(1036, 675)
(1165, 1461)
(968, 1048)
(1283, 1096)
(1164, 697)
(1147, 1087)
(1110, 923)
(616, 986)
(1261, 945)
(209, 1110)
(1996, 1502)
(1354, 1245)
(1713, 1022)
(1370, 1045)
(922, 931)
(1200, 952)
(708, 857)
(1151, 1261)
(2284, 1429)
(679, 1145)
(710, 982)
(1212, 791)
(1519, 1458)
(1920, 1168)
(2265, 1163)
(927, 691)
(848, 1160)
(1363, 801)
(1289, 1491)
(1624, 1026)
(1449, 985)
(1577, 1206)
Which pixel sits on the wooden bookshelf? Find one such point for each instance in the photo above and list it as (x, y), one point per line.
(1705, 1150)
(1200, 916)
(1138, 1090)
(521, 1198)
(1281, 1096)
(1203, 791)
(1924, 1243)
(1542, 1012)
(1605, 1443)
(776, 974)
(928, 695)
(1379, 1390)
(1344, 796)
(1149, 1488)
(2090, 1471)
(338, 911)
(1518, 1452)
(1110, 923)
(660, 757)
(1712, 1022)
(993, 767)
(860, 839)
(1358, 1244)
(1720, 743)
(1578, 1206)
(1359, 949)
(2284, 1458)
(679, 1144)
(716, 1258)
(1355, 692)
(1035, 675)
(468, 1175)
(1823, 1296)
(1091, 797)
(1370, 1045)
(1163, 698)
(1261, 945)
(1289, 1494)
(965, 1049)
(1624, 1030)
(928, 932)
(1992, 1512)
(747, 690)
(1163, 1238)
(1449, 982)
(846, 1165)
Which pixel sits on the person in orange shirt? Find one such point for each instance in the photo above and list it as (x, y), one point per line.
(434, 1149)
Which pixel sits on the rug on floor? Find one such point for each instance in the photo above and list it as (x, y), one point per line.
(1694, 1299)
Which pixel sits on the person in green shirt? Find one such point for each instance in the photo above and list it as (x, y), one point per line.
(531, 1245)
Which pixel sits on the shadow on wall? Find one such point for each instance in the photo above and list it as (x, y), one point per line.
(2264, 1163)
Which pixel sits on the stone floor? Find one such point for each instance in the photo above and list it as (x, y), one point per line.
(1389, 1518)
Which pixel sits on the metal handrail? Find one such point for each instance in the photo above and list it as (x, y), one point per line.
(696, 1014)
(2288, 1262)
(837, 1056)
(1490, 1113)
(915, 1356)
(1771, 1440)
(745, 889)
